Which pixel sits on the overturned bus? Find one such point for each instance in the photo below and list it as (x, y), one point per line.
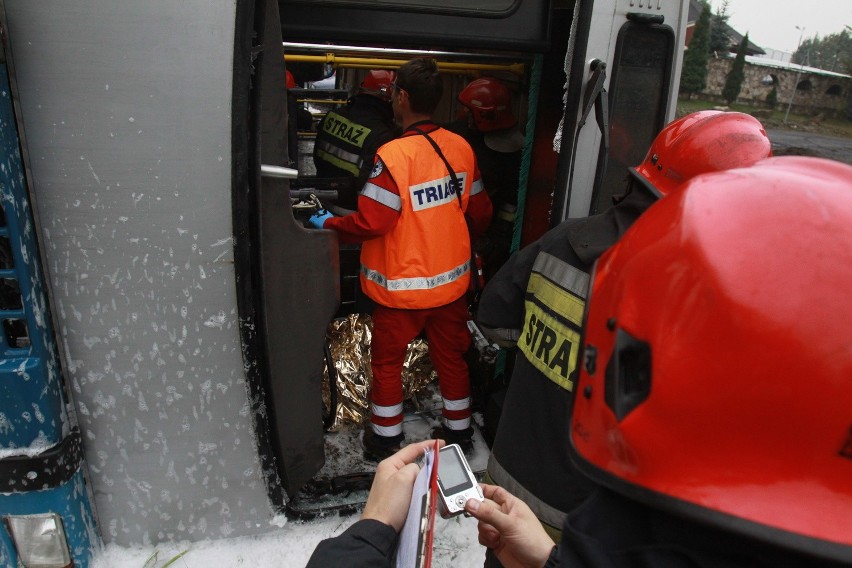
(164, 309)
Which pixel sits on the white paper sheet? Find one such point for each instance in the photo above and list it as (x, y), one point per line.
(410, 538)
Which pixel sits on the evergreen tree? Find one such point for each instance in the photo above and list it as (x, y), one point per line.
(772, 97)
(693, 77)
(832, 52)
(720, 43)
(734, 80)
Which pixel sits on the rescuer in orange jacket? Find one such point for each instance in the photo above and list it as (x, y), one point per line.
(415, 260)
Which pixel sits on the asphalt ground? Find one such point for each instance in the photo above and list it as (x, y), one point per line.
(791, 142)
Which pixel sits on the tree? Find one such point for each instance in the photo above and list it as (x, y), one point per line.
(832, 53)
(720, 43)
(734, 80)
(693, 77)
(772, 97)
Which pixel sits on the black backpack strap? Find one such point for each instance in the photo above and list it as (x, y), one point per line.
(474, 265)
(452, 172)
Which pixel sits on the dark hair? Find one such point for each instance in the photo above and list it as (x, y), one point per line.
(420, 78)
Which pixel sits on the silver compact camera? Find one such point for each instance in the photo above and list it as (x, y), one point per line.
(456, 482)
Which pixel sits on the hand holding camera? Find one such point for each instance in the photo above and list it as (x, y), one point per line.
(456, 482)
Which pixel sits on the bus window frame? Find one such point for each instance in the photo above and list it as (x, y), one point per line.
(599, 195)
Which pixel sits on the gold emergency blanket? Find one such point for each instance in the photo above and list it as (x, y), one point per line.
(349, 340)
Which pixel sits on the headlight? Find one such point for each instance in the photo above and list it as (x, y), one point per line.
(39, 540)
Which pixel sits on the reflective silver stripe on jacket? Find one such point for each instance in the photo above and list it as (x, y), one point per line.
(545, 513)
(382, 195)
(339, 152)
(476, 187)
(566, 276)
(419, 283)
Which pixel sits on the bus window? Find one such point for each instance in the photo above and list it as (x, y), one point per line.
(10, 294)
(638, 96)
(6, 259)
(15, 331)
(482, 8)
(481, 24)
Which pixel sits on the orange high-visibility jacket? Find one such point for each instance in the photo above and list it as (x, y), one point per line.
(424, 261)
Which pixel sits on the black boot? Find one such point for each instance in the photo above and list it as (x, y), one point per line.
(464, 438)
(376, 447)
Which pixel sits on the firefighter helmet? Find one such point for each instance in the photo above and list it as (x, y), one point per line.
(378, 83)
(489, 103)
(716, 374)
(291, 81)
(698, 143)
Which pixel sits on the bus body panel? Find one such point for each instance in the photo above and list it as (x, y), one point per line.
(41, 463)
(33, 411)
(298, 291)
(127, 109)
(609, 17)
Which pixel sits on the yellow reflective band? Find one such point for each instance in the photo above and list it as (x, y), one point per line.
(342, 164)
(504, 215)
(550, 346)
(547, 342)
(345, 130)
(558, 300)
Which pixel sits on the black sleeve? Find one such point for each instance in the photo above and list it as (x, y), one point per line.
(367, 543)
(553, 559)
(501, 306)
(379, 136)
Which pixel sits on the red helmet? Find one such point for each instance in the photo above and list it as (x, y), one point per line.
(699, 143)
(489, 102)
(378, 83)
(291, 81)
(717, 372)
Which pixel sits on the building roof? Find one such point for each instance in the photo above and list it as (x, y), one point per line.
(774, 63)
(695, 9)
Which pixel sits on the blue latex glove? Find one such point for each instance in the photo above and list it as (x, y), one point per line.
(317, 220)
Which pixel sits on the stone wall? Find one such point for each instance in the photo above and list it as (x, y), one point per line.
(827, 94)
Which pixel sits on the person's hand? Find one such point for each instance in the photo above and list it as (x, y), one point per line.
(393, 484)
(317, 220)
(510, 528)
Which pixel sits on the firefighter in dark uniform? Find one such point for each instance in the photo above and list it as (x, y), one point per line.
(490, 127)
(537, 299)
(713, 398)
(348, 137)
(715, 401)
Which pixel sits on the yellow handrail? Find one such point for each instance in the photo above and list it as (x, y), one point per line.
(376, 63)
(323, 101)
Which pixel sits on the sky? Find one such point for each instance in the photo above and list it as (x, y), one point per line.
(772, 23)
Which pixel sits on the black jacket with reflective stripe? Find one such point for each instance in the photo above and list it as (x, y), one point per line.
(530, 453)
(338, 143)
